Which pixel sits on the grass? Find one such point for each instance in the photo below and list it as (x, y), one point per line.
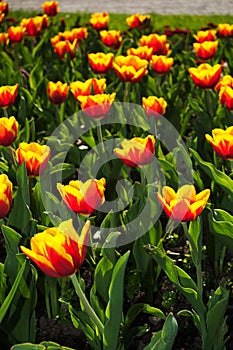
(117, 21)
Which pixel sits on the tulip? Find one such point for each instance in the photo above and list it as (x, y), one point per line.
(154, 106)
(50, 8)
(96, 106)
(137, 151)
(143, 52)
(4, 8)
(161, 64)
(130, 68)
(8, 95)
(137, 20)
(4, 38)
(99, 20)
(63, 47)
(80, 33)
(225, 29)
(205, 35)
(206, 50)
(33, 26)
(227, 80)
(222, 142)
(156, 41)
(16, 33)
(2, 16)
(59, 251)
(83, 197)
(226, 97)
(206, 76)
(57, 92)
(100, 62)
(185, 205)
(35, 156)
(8, 130)
(92, 85)
(111, 38)
(5, 195)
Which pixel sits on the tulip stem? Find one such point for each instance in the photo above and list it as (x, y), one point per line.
(5, 113)
(100, 135)
(127, 91)
(87, 307)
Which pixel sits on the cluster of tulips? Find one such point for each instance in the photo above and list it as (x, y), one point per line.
(138, 66)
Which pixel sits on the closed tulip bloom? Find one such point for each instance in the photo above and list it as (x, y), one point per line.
(83, 197)
(63, 47)
(8, 95)
(137, 151)
(2, 16)
(156, 41)
(185, 205)
(6, 189)
(8, 130)
(100, 62)
(34, 155)
(206, 50)
(57, 92)
(4, 38)
(50, 8)
(111, 38)
(99, 20)
(16, 33)
(161, 64)
(33, 26)
(154, 106)
(225, 29)
(4, 8)
(137, 20)
(205, 76)
(143, 52)
(80, 33)
(88, 87)
(96, 106)
(227, 80)
(226, 97)
(130, 68)
(222, 142)
(205, 35)
(59, 251)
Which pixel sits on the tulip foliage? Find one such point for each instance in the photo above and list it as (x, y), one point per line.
(116, 162)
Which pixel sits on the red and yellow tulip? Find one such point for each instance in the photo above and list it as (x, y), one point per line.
(96, 106)
(111, 38)
(185, 205)
(206, 76)
(156, 41)
(137, 151)
(100, 62)
(34, 155)
(4, 8)
(206, 50)
(57, 92)
(6, 189)
(154, 106)
(227, 80)
(143, 52)
(8, 130)
(83, 197)
(59, 251)
(99, 20)
(50, 8)
(88, 87)
(226, 96)
(137, 20)
(8, 95)
(130, 68)
(161, 64)
(222, 142)
(33, 26)
(16, 33)
(225, 29)
(205, 35)
(63, 47)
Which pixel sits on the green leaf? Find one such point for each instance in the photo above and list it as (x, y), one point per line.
(7, 302)
(221, 179)
(3, 285)
(113, 311)
(164, 339)
(35, 76)
(194, 235)
(221, 224)
(179, 277)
